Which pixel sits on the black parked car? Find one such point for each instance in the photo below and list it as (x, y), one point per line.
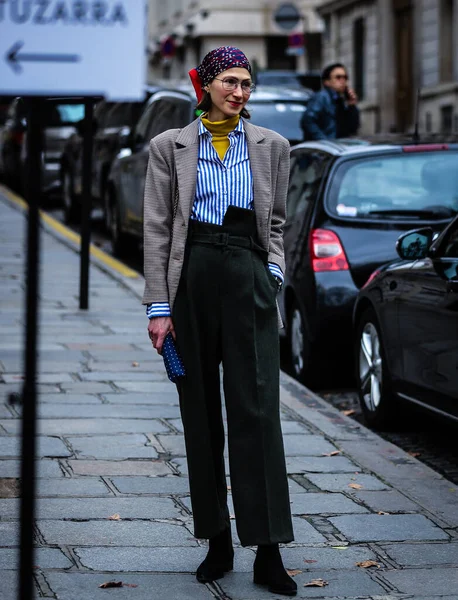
(166, 109)
(406, 328)
(113, 123)
(347, 205)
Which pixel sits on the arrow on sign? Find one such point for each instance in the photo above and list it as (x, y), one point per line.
(14, 59)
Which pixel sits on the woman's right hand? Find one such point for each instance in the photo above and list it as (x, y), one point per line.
(158, 328)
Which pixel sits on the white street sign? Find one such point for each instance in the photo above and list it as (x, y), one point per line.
(73, 48)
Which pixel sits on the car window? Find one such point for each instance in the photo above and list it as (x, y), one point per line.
(101, 111)
(170, 113)
(409, 185)
(451, 244)
(144, 122)
(307, 169)
(119, 116)
(283, 117)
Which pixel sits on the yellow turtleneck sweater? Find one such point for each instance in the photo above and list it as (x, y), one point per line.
(220, 131)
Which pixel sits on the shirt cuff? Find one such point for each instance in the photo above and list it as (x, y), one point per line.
(158, 309)
(276, 271)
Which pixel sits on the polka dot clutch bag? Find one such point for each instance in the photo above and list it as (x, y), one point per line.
(172, 360)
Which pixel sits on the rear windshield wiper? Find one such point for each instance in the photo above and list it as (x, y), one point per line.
(440, 212)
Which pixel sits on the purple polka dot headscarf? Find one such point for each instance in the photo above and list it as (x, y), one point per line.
(214, 63)
(219, 60)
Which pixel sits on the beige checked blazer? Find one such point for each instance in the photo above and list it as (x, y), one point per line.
(173, 160)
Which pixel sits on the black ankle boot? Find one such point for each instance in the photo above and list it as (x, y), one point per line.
(219, 559)
(269, 570)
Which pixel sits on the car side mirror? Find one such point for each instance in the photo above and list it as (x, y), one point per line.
(415, 244)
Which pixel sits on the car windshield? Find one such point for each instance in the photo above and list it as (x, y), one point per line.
(282, 117)
(412, 186)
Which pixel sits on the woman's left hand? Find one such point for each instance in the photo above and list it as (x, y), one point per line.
(158, 328)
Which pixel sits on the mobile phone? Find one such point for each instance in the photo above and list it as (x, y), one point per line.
(346, 93)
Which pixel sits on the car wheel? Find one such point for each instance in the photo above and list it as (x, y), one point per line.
(299, 345)
(71, 202)
(378, 403)
(121, 242)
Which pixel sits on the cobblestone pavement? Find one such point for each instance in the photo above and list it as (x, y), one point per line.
(113, 502)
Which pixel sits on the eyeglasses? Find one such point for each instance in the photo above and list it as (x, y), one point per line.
(231, 83)
(340, 76)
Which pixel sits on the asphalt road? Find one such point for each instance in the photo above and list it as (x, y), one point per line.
(430, 440)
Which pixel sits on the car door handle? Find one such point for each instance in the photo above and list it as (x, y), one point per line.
(452, 285)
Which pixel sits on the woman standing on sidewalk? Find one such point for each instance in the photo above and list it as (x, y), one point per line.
(213, 252)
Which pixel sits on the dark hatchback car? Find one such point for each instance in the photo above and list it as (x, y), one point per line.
(166, 109)
(347, 205)
(406, 328)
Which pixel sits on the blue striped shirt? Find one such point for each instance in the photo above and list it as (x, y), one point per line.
(219, 184)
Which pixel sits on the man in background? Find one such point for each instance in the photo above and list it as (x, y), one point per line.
(332, 112)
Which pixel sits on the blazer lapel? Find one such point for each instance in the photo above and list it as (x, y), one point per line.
(186, 156)
(260, 162)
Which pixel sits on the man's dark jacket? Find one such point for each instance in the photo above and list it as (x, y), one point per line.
(327, 117)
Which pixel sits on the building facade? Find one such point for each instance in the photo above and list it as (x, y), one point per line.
(273, 34)
(402, 57)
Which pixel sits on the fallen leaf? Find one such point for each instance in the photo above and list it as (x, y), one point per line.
(115, 517)
(309, 561)
(349, 412)
(365, 564)
(414, 454)
(229, 488)
(293, 572)
(334, 453)
(111, 584)
(135, 364)
(381, 512)
(339, 547)
(316, 583)
(355, 486)
(117, 584)
(232, 517)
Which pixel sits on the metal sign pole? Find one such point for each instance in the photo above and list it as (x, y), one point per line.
(29, 397)
(86, 203)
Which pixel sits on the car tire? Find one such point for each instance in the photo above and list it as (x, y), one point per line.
(380, 407)
(299, 345)
(70, 201)
(121, 242)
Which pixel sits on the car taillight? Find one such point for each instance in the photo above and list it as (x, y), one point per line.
(327, 251)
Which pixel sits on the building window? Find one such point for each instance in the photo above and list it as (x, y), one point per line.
(359, 43)
(447, 119)
(429, 122)
(327, 28)
(447, 33)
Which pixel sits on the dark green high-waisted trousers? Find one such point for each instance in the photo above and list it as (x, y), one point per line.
(225, 312)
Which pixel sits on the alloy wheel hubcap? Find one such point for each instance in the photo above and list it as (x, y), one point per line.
(297, 342)
(370, 367)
